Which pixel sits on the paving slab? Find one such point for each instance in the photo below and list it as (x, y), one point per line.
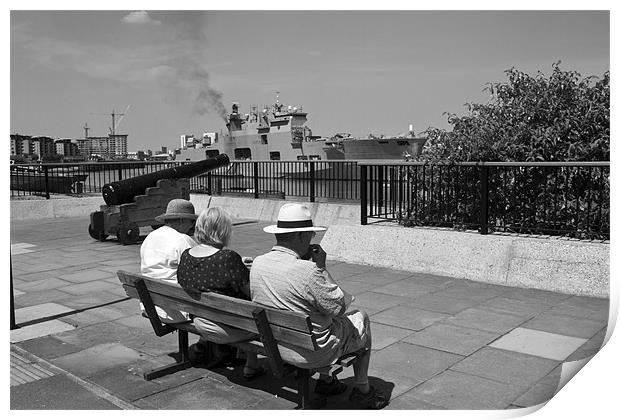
(437, 303)
(386, 335)
(486, 320)
(407, 317)
(582, 307)
(378, 301)
(451, 338)
(85, 275)
(405, 288)
(399, 383)
(542, 392)
(89, 300)
(590, 348)
(536, 295)
(93, 316)
(40, 297)
(39, 330)
(408, 402)
(96, 358)
(205, 394)
(413, 361)
(455, 390)
(43, 310)
(51, 394)
(47, 347)
(515, 307)
(378, 276)
(565, 325)
(354, 287)
(92, 335)
(539, 343)
(468, 291)
(517, 369)
(45, 284)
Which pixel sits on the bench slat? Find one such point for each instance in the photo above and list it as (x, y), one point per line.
(288, 319)
(281, 334)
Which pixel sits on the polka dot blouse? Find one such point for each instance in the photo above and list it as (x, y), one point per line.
(222, 272)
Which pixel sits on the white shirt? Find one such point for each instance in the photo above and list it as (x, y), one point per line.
(160, 254)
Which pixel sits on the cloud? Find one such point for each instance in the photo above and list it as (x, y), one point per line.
(140, 17)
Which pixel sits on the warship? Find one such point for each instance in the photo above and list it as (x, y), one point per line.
(279, 132)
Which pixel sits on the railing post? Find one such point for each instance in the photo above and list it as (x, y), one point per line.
(120, 172)
(255, 175)
(47, 182)
(209, 183)
(13, 325)
(363, 194)
(484, 200)
(312, 182)
(380, 189)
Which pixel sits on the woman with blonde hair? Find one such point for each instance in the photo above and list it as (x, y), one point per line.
(209, 267)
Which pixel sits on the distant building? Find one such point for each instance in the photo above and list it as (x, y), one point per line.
(66, 147)
(110, 147)
(42, 146)
(20, 144)
(164, 149)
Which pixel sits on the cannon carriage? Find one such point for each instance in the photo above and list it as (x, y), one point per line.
(135, 202)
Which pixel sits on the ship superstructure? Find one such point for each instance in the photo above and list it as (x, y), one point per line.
(279, 132)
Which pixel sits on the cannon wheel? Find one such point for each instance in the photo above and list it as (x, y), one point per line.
(97, 235)
(128, 236)
(156, 226)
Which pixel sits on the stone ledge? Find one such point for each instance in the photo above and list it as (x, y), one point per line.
(580, 268)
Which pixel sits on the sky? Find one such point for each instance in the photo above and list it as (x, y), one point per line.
(178, 72)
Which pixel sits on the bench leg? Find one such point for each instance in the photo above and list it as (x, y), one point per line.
(303, 388)
(182, 364)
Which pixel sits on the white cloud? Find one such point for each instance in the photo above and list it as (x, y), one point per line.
(140, 17)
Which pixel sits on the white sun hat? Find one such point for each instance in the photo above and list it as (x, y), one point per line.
(294, 217)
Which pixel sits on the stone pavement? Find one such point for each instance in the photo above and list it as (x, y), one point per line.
(438, 342)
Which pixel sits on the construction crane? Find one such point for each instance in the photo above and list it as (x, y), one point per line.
(114, 115)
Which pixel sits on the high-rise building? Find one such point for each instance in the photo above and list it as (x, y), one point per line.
(66, 147)
(110, 147)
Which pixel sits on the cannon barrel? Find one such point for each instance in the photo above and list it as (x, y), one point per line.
(121, 192)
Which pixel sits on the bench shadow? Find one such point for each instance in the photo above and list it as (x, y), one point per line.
(286, 388)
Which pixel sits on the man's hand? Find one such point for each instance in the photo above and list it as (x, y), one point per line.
(318, 255)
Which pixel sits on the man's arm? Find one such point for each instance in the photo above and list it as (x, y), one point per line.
(329, 298)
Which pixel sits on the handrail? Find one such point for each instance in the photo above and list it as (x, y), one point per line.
(370, 162)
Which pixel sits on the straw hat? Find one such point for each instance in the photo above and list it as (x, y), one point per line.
(178, 209)
(293, 218)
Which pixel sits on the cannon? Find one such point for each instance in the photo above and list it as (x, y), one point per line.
(135, 202)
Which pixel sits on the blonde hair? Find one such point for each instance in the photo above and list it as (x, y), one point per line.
(213, 227)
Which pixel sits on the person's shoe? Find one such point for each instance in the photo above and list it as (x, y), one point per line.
(373, 399)
(254, 373)
(334, 387)
(198, 354)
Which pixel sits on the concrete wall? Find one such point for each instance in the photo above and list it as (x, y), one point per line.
(56, 207)
(325, 214)
(559, 265)
(550, 264)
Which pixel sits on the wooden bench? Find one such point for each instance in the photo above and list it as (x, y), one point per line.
(272, 326)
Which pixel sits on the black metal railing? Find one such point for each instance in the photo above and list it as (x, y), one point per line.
(304, 180)
(549, 198)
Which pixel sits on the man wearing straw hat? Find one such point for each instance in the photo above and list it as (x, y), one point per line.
(161, 250)
(293, 276)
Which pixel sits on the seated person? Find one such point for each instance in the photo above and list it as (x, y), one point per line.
(208, 267)
(283, 279)
(161, 250)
